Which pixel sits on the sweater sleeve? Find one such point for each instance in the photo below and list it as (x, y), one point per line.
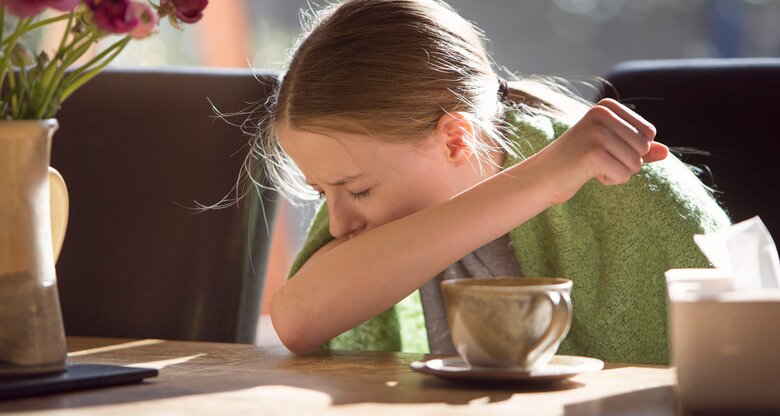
(615, 243)
(316, 237)
(380, 333)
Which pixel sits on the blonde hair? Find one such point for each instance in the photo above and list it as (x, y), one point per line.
(391, 69)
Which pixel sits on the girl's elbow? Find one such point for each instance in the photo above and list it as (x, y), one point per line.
(290, 331)
(295, 345)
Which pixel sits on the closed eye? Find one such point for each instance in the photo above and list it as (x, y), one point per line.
(360, 195)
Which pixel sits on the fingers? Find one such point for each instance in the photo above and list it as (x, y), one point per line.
(622, 129)
(625, 142)
(633, 129)
(611, 170)
(610, 143)
(658, 151)
(623, 152)
(632, 118)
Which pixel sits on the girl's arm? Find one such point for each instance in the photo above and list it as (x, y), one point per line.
(349, 281)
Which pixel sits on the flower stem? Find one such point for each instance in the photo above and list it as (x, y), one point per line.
(71, 56)
(14, 99)
(2, 24)
(83, 78)
(65, 34)
(10, 44)
(63, 53)
(52, 77)
(49, 80)
(41, 23)
(22, 82)
(79, 71)
(45, 22)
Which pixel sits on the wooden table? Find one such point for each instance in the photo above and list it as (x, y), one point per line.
(220, 379)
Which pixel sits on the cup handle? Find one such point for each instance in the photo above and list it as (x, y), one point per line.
(60, 204)
(559, 323)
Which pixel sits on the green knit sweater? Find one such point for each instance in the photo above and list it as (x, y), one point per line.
(613, 242)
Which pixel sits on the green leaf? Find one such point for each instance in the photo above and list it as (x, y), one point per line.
(54, 106)
(35, 72)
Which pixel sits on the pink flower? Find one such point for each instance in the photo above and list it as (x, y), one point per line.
(147, 20)
(188, 11)
(113, 16)
(27, 8)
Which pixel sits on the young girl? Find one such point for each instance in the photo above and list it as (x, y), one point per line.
(431, 167)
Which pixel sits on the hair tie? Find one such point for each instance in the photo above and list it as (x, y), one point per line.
(503, 89)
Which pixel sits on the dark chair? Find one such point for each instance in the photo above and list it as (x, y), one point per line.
(137, 149)
(724, 113)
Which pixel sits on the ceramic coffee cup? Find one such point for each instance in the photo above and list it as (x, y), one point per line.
(514, 322)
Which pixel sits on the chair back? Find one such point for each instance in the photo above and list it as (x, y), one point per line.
(139, 149)
(724, 113)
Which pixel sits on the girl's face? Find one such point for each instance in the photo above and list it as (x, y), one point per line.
(367, 183)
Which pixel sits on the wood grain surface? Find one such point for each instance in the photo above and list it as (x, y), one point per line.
(222, 379)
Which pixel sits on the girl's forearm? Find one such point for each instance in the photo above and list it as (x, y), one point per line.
(368, 274)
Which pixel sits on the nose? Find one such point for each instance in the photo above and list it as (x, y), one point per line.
(344, 222)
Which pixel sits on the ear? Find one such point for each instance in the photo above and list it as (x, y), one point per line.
(454, 132)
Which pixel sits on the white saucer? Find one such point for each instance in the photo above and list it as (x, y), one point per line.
(559, 368)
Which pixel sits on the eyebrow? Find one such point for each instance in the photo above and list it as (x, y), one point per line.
(342, 181)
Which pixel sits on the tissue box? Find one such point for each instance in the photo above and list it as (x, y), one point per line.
(724, 343)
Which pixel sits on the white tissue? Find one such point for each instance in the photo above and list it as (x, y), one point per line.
(745, 252)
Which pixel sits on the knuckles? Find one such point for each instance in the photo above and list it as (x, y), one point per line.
(602, 109)
(598, 112)
(606, 101)
(637, 166)
(599, 156)
(646, 147)
(652, 130)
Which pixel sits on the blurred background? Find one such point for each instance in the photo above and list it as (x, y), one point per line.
(577, 39)
(564, 37)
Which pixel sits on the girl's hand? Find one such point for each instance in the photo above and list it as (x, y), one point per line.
(610, 143)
